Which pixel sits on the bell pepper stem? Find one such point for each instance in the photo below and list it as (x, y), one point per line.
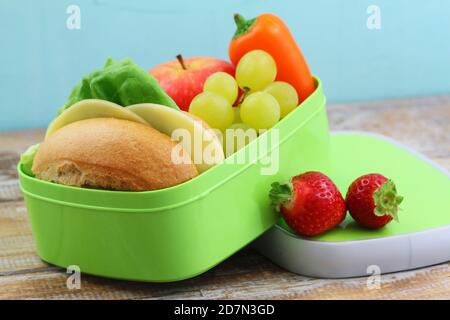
(239, 20)
(243, 25)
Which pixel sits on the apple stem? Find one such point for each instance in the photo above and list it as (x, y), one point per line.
(181, 61)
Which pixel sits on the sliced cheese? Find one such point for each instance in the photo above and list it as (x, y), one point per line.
(197, 139)
(92, 108)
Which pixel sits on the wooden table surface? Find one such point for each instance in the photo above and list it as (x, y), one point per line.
(421, 123)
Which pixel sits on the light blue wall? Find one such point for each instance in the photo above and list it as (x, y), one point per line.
(41, 59)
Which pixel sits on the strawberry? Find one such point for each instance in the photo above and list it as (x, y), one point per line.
(372, 200)
(310, 203)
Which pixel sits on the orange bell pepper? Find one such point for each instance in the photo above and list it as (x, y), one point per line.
(269, 33)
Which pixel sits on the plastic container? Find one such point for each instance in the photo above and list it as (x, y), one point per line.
(178, 232)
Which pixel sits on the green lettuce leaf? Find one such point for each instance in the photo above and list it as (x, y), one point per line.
(122, 82)
(27, 158)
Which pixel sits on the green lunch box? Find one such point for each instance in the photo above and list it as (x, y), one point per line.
(182, 231)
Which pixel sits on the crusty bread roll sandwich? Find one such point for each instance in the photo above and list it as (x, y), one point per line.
(109, 153)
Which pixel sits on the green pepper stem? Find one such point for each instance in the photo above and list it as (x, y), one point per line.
(243, 25)
(239, 20)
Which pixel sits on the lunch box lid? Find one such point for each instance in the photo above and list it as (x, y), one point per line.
(422, 237)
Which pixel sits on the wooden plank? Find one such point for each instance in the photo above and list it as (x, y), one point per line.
(17, 247)
(235, 279)
(421, 123)
(18, 141)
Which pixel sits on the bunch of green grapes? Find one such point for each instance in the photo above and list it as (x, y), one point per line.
(266, 101)
(263, 103)
(214, 104)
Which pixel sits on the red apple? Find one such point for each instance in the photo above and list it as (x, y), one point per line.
(183, 79)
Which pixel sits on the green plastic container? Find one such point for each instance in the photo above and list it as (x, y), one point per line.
(178, 232)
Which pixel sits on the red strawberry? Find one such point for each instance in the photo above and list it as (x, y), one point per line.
(372, 200)
(310, 203)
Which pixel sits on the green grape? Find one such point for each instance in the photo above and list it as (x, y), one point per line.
(256, 70)
(260, 110)
(214, 109)
(237, 136)
(223, 84)
(285, 94)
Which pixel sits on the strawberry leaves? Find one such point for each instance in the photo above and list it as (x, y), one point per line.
(386, 200)
(279, 194)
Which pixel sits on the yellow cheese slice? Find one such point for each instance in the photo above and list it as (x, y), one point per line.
(198, 140)
(92, 108)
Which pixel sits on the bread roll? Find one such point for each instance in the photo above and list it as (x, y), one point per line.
(114, 154)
